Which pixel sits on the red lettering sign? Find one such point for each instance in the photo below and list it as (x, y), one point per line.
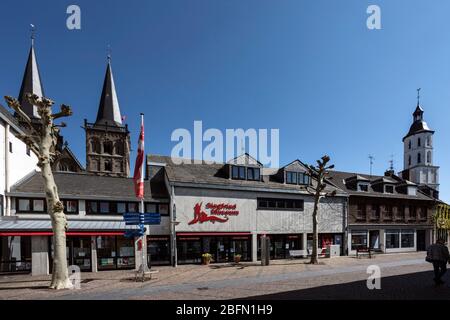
(219, 209)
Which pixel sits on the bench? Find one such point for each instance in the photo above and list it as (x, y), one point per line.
(367, 251)
(296, 254)
(138, 273)
(321, 252)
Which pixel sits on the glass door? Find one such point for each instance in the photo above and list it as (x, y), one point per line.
(374, 236)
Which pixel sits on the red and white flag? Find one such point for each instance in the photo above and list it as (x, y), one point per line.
(139, 165)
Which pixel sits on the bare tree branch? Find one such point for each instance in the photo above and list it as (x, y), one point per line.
(66, 111)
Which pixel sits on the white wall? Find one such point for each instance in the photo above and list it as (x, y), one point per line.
(249, 219)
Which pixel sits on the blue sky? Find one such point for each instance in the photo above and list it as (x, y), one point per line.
(310, 68)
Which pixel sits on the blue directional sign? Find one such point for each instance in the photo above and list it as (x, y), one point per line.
(142, 218)
(134, 233)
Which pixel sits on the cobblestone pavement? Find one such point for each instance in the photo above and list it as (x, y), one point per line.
(404, 275)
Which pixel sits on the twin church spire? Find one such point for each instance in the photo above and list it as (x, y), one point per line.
(107, 139)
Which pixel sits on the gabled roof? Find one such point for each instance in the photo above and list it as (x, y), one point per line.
(31, 83)
(108, 110)
(245, 159)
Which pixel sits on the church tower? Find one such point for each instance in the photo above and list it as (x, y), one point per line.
(418, 153)
(108, 140)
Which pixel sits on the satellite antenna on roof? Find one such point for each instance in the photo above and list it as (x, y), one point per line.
(391, 163)
(371, 158)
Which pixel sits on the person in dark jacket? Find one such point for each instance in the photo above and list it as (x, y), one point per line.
(438, 255)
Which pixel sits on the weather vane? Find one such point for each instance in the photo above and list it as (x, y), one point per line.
(418, 95)
(109, 52)
(32, 31)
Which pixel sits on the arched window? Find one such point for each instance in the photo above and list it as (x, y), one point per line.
(108, 166)
(429, 142)
(418, 142)
(95, 165)
(95, 145)
(107, 147)
(118, 148)
(429, 157)
(409, 145)
(419, 158)
(409, 160)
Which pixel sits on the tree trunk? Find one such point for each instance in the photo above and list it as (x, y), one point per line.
(314, 258)
(60, 275)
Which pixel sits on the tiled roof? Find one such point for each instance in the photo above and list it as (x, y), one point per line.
(89, 186)
(213, 174)
(339, 177)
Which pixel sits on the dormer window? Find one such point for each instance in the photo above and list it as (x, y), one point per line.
(389, 189)
(364, 187)
(238, 172)
(245, 173)
(291, 177)
(253, 174)
(297, 178)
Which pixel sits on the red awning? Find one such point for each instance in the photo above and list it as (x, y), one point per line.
(213, 233)
(69, 234)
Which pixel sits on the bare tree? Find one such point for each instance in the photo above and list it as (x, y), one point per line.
(42, 141)
(320, 172)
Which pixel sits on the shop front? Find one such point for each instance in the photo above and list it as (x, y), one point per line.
(223, 247)
(15, 254)
(115, 252)
(158, 250)
(78, 251)
(281, 244)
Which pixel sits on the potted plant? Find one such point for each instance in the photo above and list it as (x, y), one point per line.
(206, 258)
(237, 258)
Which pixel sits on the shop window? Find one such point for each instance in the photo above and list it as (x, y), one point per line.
(407, 238)
(392, 239)
(15, 254)
(359, 239)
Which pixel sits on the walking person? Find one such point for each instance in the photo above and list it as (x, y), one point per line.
(438, 255)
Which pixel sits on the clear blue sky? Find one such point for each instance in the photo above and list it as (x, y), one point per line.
(310, 68)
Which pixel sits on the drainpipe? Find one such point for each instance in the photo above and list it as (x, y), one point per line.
(173, 218)
(346, 206)
(7, 187)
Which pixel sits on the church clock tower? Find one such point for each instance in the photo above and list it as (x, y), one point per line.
(418, 153)
(108, 140)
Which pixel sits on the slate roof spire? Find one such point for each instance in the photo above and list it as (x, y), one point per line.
(31, 82)
(109, 110)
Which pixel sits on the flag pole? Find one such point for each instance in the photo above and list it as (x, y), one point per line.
(142, 205)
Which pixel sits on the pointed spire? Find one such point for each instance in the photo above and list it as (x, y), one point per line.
(108, 110)
(31, 82)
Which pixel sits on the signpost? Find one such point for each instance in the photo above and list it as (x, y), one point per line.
(140, 219)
